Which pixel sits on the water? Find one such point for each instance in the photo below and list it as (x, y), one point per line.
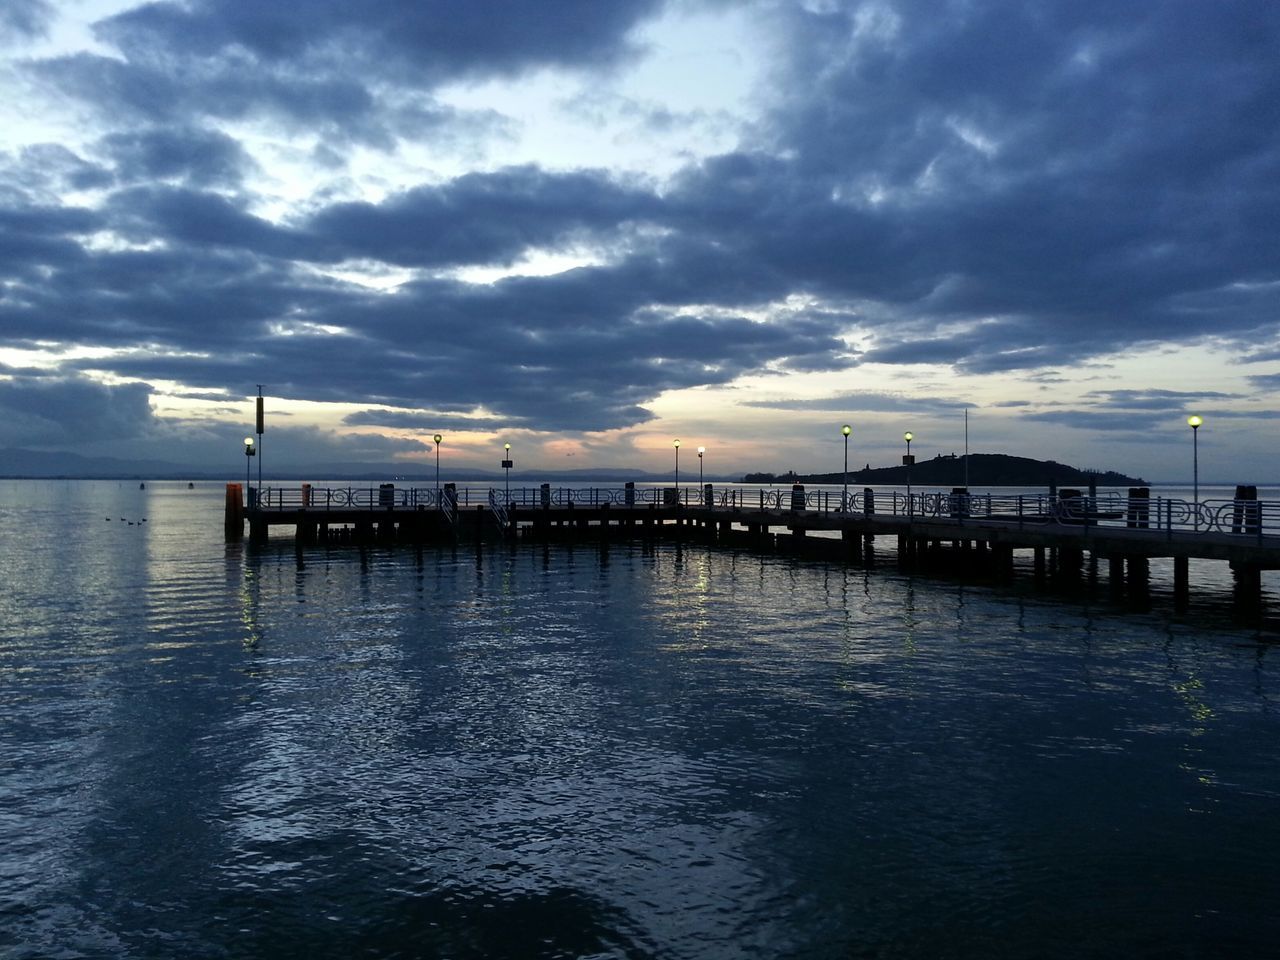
(212, 751)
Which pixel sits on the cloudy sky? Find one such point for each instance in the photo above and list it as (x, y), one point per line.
(587, 227)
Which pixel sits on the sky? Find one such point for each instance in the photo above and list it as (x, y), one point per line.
(588, 228)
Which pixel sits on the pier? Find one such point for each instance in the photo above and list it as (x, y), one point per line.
(1068, 534)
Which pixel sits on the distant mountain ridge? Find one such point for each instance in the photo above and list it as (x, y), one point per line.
(39, 464)
(984, 469)
(43, 464)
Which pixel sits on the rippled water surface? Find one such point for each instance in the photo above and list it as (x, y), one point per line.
(211, 750)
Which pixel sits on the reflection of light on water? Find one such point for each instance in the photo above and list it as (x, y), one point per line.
(249, 596)
(1191, 692)
(685, 599)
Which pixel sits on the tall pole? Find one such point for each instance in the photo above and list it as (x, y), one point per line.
(258, 453)
(701, 451)
(1194, 423)
(844, 497)
(677, 444)
(966, 451)
(437, 438)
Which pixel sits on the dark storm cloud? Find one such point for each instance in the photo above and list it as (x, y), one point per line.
(1265, 381)
(24, 19)
(866, 403)
(1140, 422)
(991, 187)
(47, 411)
(182, 300)
(563, 352)
(199, 218)
(49, 170)
(423, 421)
(199, 157)
(481, 218)
(409, 42)
(1156, 399)
(338, 69)
(1100, 175)
(338, 109)
(34, 239)
(918, 351)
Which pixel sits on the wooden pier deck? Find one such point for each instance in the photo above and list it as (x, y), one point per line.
(979, 532)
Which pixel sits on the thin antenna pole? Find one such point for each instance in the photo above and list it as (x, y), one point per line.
(966, 449)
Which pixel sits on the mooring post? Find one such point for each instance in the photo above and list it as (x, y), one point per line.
(797, 497)
(1139, 508)
(1244, 514)
(233, 515)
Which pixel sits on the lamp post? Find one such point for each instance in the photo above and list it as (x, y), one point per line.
(1194, 423)
(437, 438)
(907, 461)
(844, 497)
(506, 465)
(248, 452)
(677, 445)
(701, 451)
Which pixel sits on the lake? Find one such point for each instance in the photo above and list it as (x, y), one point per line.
(639, 751)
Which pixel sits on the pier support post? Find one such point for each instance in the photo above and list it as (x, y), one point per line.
(1247, 590)
(1181, 583)
(1139, 581)
(851, 543)
(1115, 574)
(1039, 565)
(1070, 562)
(1002, 562)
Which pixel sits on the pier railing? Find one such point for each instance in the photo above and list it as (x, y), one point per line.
(350, 498)
(1258, 519)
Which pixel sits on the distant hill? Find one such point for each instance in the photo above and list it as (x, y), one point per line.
(985, 469)
(55, 464)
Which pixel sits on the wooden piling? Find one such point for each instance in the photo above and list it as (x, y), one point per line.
(1181, 583)
(1138, 582)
